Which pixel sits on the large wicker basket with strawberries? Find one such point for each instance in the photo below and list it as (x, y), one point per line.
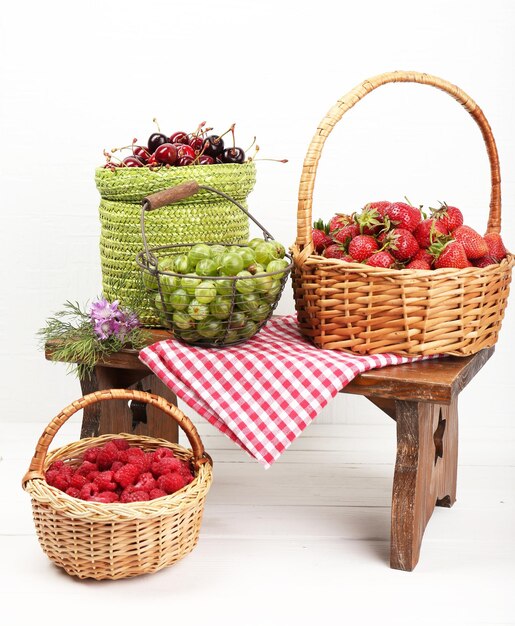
(369, 310)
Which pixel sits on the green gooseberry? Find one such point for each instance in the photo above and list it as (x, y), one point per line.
(182, 264)
(224, 287)
(244, 284)
(237, 320)
(197, 310)
(248, 330)
(254, 243)
(248, 302)
(220, 307)
(232, 263)
(207, 267)
(205, 292)
(198, 252)
(190, 283)
(182, 320)
(169, 283)
(210, 327)
(261, 313)
(247, 255)
(178, 300)
(276, 266)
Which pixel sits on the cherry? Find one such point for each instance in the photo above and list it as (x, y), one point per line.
(166, 153)
(133, 161)
(205, 159)
(184, 150)
(213, 146)
(185, 160)
(233, 155)
(155, 140)
(179, 137)
(141, 152)
(196, 143)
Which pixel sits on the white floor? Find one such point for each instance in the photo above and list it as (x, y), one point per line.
(304, 542)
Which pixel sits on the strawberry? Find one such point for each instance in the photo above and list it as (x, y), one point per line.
(346, 233)
(380, 207)
(496, 248)
(427, 232)
(338, 221)
(485, 261)
(403, 215)
(450, 217)
(334, 251)
(452, 254)
(424, 255)
(362, 246)
(402, 244)
(369, 221)
(475, 246)
(381, 259)
(320, 237)
(418, 264)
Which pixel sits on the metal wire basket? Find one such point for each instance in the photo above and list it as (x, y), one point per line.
(200, 305)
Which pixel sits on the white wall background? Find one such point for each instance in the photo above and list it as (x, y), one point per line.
(79, 77)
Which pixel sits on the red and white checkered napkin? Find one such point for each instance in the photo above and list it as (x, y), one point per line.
(262, 393)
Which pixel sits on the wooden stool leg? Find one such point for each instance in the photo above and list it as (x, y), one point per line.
(425, 474)
(118, 416)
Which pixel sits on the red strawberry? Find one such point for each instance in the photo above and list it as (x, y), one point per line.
(403, 215)
(418, 264)
(427, 232)
(380, 207)
(334, 251)
(338, 221)
(475, 246)
(403, 244)
(452, 255)
(362, 246)
(381, 259)
(496, 248)
(424, 255)
(320, 236)
(346, 233)
(370, 222)
(485, 261)
(449, 216)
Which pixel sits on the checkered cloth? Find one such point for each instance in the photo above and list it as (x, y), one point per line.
(262, 393)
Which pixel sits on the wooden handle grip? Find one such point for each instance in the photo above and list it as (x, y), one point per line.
(38, 460)
(304, 242)
(171, 195)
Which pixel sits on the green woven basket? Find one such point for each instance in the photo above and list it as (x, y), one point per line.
(204, 217)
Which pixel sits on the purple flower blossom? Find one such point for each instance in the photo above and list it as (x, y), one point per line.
(109, 320)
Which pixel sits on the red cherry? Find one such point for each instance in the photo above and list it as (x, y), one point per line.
(205, 160)
(166, 153)
(141, 152)
(133, 161)
(185, 160)
(179, 137)
(196, 143)
(184, 150)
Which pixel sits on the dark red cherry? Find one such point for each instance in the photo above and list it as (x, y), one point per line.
(155, 140)
(166, 153)
(205, 159)
(133, 161)
(196, 143)
(179, 137)
(233, 155)
(185, 160)
(184, 150)
(213, 146)
(141, 152)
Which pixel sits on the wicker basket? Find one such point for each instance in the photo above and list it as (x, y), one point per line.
(96, 540)
(368, 310)
(203, 218)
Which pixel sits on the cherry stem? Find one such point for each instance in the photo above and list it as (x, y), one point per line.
(253, 142)
(156, 123)
(229, 130)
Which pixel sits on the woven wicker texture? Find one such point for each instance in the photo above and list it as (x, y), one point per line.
(203, 218)
(96, 540)
(368, 310)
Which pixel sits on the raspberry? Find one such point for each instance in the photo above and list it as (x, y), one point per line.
(92, 475)
(187, 475)
(116, 466)
(121, 444)
(127, 474)
(157, 493)
(105, 481)
(136, 456)
(88, 491)
(86, 467)
(146, 482)
(171, 482)
(50, 476)
(91, 454)
(73, 492)
(56, 465)
(78, 481)
(162, 453)
(107, 455)
(134, 496)
(105, 496)
(165, 466)
(61, 481)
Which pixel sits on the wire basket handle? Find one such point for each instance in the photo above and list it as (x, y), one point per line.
(180, 192)
(38, 460)
(307, 182)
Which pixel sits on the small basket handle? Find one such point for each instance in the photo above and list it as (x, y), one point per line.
(38, 460)
(304, 240)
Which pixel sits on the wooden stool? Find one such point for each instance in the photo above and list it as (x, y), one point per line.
(421, 397)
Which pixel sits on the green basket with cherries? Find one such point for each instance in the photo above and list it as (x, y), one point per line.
(212, 294)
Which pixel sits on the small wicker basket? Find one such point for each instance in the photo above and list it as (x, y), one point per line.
(369, 310)
(96, 540)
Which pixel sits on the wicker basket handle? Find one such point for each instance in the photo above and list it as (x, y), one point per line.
(38, 460)
(170, 195)
(307, 182)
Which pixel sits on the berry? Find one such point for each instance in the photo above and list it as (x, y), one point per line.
(88, 491)
(381, 259)
(107, 455)
(133, 161)
(213, 146)
(428, 231)
(105, 497)
(157, 493)
(180, 137)
(73, 492)
(424, 255)
(337, 222)
(452, 255)
(162, 453)
(105, 481)
(346, 233)
(233, 155)
(380, 207)
(86, 467)
(121, 444)
(127, 475)
(402, 244)
(61, 481)
(56, 465)
(418, 264)
(78, 481)
(166, 153)
(146, 482)
(369, 221)
(134, 496)
(205, 159)
(485, 261)
(165, 466)
(334, 251)
(171, 483)
(155, 140)
(449, 216)
(320, 236)
(496, 248)
(362, 246)
(475, 246)
(91, 454)
(403, 215)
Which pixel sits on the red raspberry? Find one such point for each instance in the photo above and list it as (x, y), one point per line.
(73, 492)
(171, 482)
(91, 454)
(121, 444)
(127, 475)
(88, 491)
(162, 453)
(136, 456)
(105, 496)
(165, 466)
(105, 481)
(61, 481)
(86, 467)
(146, 482)
(78, 481)
(134, 496)
(157, 493)
(188, 476)
(92, 475)
(116, 466)
(50, 476)
(56, 465)
(107, 455)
